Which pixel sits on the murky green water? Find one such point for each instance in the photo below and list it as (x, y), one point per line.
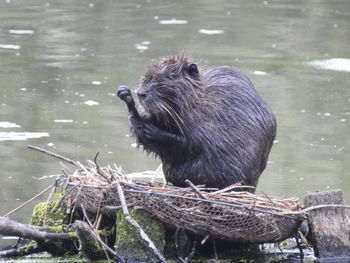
(60, 62)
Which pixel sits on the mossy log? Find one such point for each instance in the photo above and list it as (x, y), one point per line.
(53, 218)
(40, 234)
(128, 242)
(48, 214)
(28, 249)
(49, 232)
(90, 247)
(55, 242)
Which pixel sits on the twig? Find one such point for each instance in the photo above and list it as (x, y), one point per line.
(215, 251)
(303, 211)
(191, 255)
(176, 242)
(63, 197)
(205, 239)
(47, 201)
(280, 249)
(194, 188)
(176, 237)
(156, 172)
(53, 154)
(119, 171)
(300, 248)
(303, 238)
(148, 242)
(30, 200)
(234, 186)
(193, 251)
(100, 172)
(65, 169)
(87, 172)
(98, 218)
(103, 244)
(272, 202)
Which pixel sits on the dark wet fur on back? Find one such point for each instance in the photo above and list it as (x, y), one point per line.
(214, 128)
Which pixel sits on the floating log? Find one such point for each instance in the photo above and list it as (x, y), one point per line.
(329, 226)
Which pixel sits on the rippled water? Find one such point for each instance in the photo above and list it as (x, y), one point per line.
(60, 62)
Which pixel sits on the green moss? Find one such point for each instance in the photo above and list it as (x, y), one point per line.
(103, 232)
(128, 243)
(73, 234)
(53, 217)
(44, 214)
(93, 250)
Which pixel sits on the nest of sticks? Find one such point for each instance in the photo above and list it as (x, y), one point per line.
(226, 214)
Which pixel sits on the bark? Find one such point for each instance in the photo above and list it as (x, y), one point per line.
(330, 227)
(10, 227)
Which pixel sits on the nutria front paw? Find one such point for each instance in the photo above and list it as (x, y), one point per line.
(152, 132)
(124, 93)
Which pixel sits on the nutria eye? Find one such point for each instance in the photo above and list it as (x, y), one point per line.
(193, 70)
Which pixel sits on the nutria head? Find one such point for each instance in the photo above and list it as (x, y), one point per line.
(169, 88)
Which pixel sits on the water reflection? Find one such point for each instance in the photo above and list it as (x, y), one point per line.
(338, 64)
(9, 46)
(211, 31)
(21, 32)
(173, 22)
(21, 136)
(5, 124)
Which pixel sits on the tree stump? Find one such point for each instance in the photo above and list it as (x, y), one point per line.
(330, 227)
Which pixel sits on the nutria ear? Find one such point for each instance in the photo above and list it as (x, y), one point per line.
(193, 70)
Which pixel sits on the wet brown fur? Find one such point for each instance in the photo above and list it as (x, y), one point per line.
(213, 127)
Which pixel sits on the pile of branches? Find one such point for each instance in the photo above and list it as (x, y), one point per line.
(93, 177)
(226, 214)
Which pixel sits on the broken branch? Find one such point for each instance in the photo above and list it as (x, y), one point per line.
(10, 227)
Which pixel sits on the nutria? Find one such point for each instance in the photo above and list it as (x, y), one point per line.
(211, 127)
